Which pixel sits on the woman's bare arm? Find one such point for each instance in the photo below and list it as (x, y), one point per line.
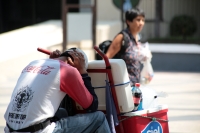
(115, 46)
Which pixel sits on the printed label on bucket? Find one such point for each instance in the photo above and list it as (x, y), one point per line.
(153, 127)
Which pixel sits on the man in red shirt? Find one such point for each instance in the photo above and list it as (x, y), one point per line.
(40, 89)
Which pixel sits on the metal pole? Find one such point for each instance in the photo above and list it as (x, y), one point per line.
(157, 20)
(94, 23)
(64, 10)
(122, 16)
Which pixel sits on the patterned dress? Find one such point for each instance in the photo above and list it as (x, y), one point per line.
(131, 56)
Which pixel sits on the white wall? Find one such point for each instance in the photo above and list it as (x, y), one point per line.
(107, 11)
(85, 2)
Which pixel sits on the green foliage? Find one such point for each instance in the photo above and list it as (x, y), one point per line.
(118, 3)
(183, 25)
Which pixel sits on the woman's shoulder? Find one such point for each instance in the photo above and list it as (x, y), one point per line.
(119, 37)
(124, 31)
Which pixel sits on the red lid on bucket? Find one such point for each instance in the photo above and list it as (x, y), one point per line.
(137, 84)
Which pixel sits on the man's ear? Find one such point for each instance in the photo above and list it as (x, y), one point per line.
(69, 61)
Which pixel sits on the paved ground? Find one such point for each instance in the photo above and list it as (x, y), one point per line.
(183, 93)
(183, 99)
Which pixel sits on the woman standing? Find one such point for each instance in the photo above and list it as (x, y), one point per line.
(135, 20)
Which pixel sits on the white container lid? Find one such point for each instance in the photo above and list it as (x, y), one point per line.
(146, 111)
(156, 109)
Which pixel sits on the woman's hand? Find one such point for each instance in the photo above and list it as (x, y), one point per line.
(79, 61)
(55, 54)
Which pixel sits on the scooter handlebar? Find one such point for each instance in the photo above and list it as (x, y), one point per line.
(44, 51)
(105, 58)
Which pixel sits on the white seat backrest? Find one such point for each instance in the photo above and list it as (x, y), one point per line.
(120, 76)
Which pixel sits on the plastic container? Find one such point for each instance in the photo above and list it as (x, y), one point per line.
(120, 76)
(149, 97)
(141, 122)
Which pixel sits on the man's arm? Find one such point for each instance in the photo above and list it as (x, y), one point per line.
(85, 85)
(87, 81)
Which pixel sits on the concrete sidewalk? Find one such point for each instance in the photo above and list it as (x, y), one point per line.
(183, 99)
(183, 93)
